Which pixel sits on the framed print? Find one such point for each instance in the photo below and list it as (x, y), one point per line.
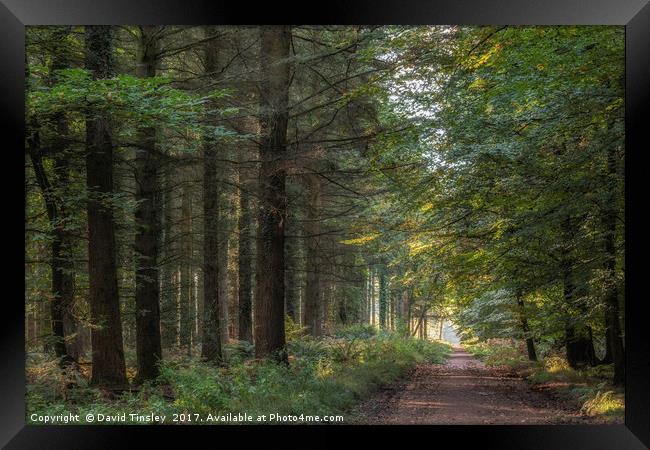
(386, 219)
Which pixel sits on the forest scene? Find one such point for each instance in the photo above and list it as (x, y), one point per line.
(324, 224)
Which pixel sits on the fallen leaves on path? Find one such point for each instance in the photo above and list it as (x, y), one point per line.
(464, 392)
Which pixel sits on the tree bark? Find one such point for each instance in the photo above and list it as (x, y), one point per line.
(168, 307)
(579, 345)
(185, 269)
(612, 317)
(578, 337)
(292, 243)
(343, 305)
(523, 320)
(383, 297)
(245, 302)
(147, 237)
(418, 327)
(366, 305)
(404, 311)
(108, 367)
(372, 296)
(313, 293)
(211, 348)
(269, 295)
(326, 298)
(60, 263)
(247, 219)
(222, 260)
(409, 312)
(425, 327)
(63, 323)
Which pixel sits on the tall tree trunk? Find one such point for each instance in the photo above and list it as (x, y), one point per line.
(391, 311)
(425, 327)
(409, 312)
(177, 295)
(147, 237)
(246, 227)
(233, 269)
(64, 269)
(399, 309)
(579, 345)
(269, 296)
(185, 268)
(108, 367)
(198, 306)
(212, 301)
(245, 302)
(63, 324)
(612, 318)
(193, 309)
(342, 303)
(313, 293)
(578, 336)
(365, 292)
(383, 297)
(523, 320)
(292, 243)
(62, 278)
(372, 296)
(224, 214)
(404, 311)
(326, 297)
(64, 254)
(44, 325)
(168, 308)
(419, 326)
(222, 261)
(30, 327)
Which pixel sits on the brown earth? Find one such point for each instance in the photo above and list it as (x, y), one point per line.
(462, 392)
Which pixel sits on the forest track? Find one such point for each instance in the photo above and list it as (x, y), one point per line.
(464, 391)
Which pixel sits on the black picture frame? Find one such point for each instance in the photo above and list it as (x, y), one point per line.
(633, 14)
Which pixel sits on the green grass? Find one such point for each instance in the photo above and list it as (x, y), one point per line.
(589, 387)
(325, 377)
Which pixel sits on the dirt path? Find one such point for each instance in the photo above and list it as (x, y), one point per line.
(464, 391)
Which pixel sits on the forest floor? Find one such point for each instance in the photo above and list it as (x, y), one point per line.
(466, 391)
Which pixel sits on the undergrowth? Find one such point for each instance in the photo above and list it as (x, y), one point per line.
(325, 376)
(589, 387)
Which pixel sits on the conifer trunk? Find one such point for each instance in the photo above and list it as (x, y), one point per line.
(269, 295)
(147, 238)
(108, 367)
(313, 294)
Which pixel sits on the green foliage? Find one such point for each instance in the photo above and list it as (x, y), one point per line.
(237, 351)
(293, 330)
(132, 102)
(512, 155)
(490, 315)
(359, 331)
(498, 353)
(326, 376)
(474, 163)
